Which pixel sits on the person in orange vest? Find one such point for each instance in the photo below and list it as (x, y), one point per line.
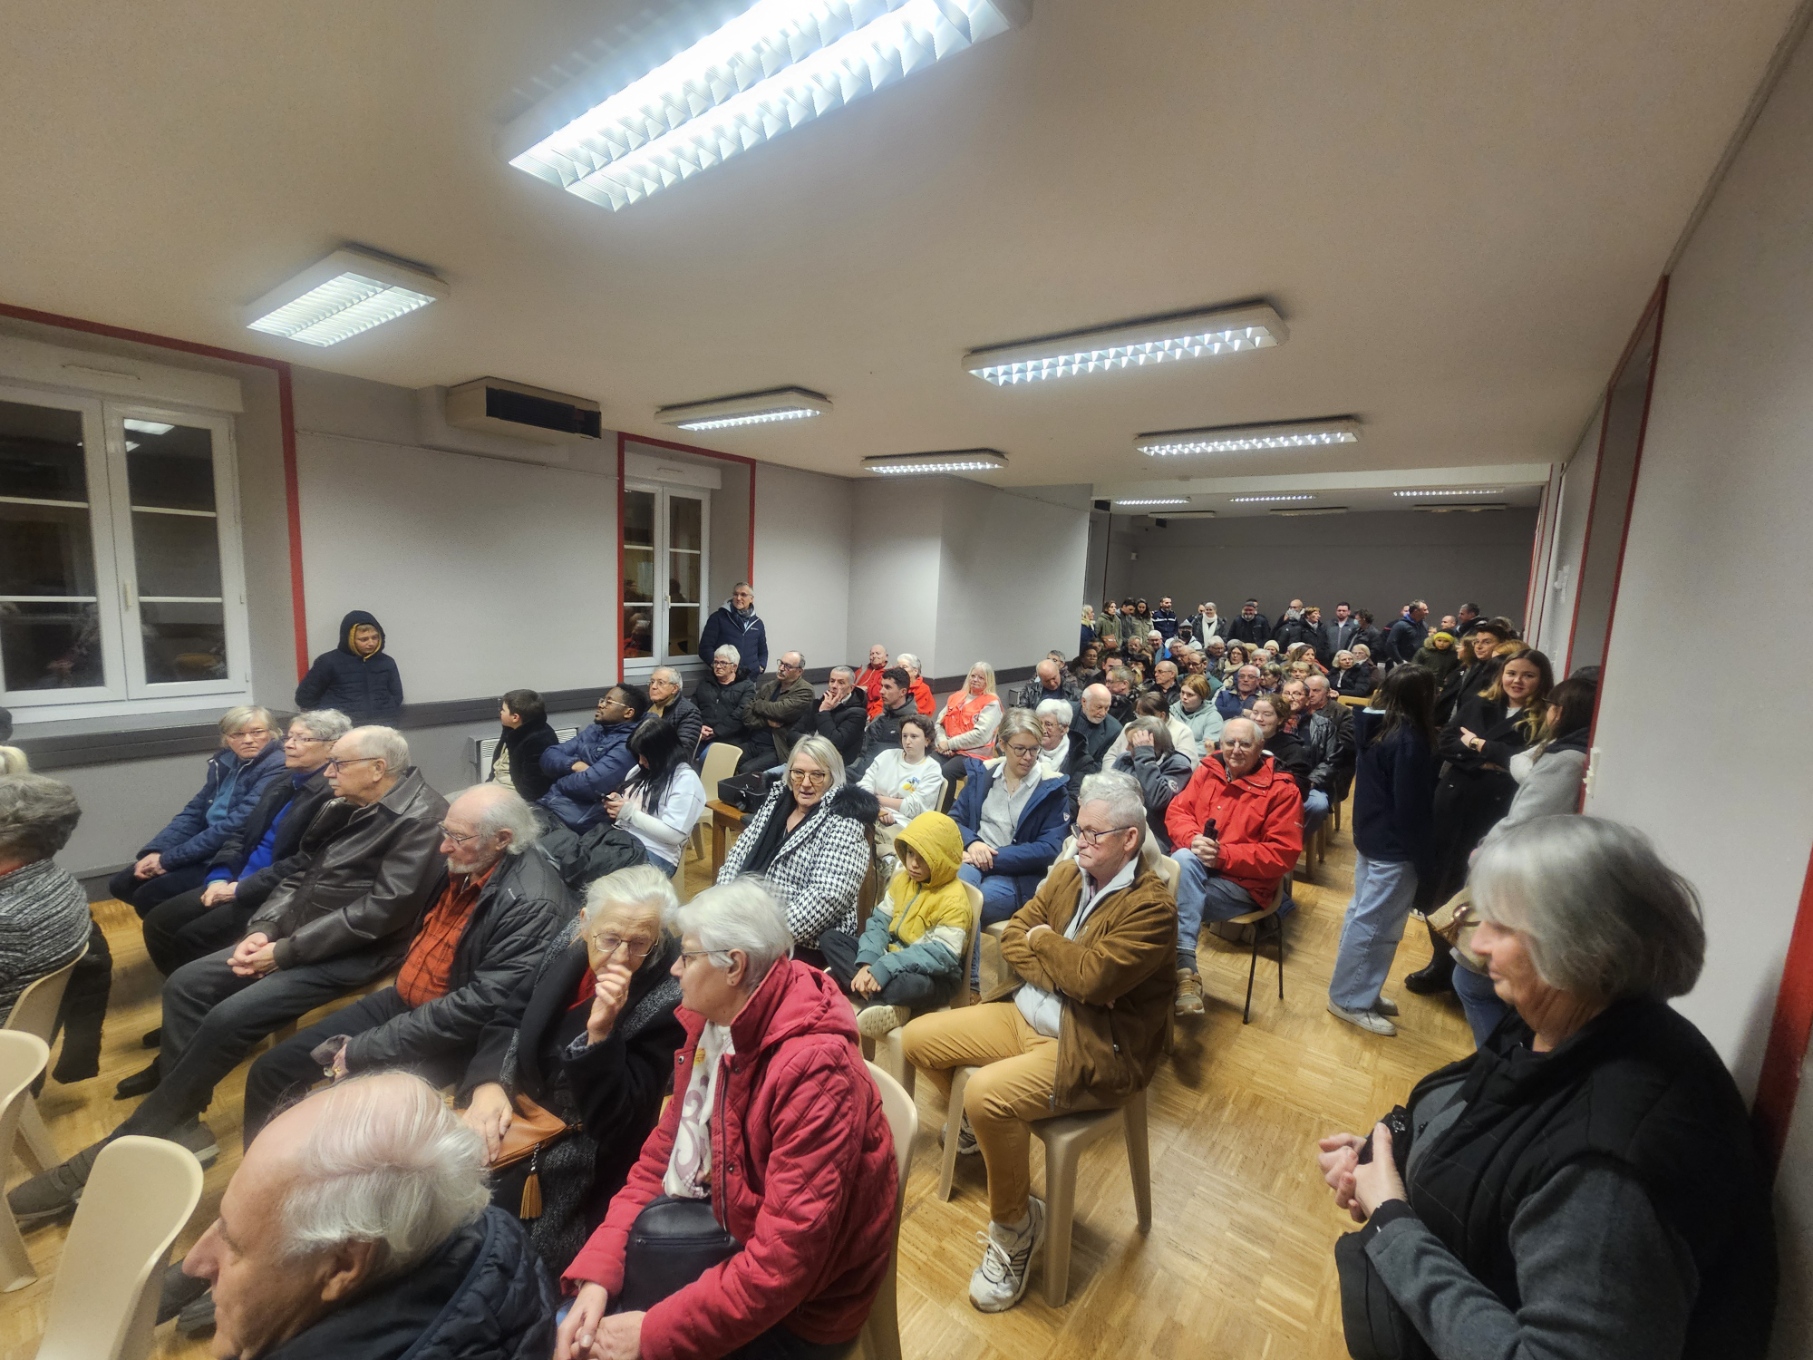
(966, 727)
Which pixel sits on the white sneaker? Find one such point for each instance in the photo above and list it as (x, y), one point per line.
(967, 1146)
(1007, 1261)
(1371, 1021)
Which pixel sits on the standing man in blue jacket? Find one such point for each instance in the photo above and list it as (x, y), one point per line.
(358, 677)
(735, 622)
(595, 762)
(1164, 619)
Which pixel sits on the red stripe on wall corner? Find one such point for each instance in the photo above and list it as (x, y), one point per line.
(1778, 1084)
(617, 607)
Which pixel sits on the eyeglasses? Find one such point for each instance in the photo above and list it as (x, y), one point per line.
(457, 837)
(809, 776)
(689, 954)
(338, 763)
(1021, 750)
(1085, 837)
(306, 741)
(608, 945)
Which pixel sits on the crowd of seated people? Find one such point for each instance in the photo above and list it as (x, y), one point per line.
(479, 953)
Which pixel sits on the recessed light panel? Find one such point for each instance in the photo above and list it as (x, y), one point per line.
(748, 408)
(1267, 500)
(778, 64)
(1188, 335)
(1156, 500)
(348, 292)
(1304, 434)
(936, 464)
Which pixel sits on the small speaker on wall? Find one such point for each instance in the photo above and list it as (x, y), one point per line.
(1102, 505)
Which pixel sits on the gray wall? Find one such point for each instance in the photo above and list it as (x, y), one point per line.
(1374, 561)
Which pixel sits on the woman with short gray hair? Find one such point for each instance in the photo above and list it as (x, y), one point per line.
(776, 1125)
(44, 921)
(723, 701)
(1586, 1184)
(176, 859)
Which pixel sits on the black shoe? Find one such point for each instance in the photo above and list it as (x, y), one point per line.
(179, 1292)
(78, 1062)
(151, 1038)
(51, 1196)
(1432, 980)
(138, 1084)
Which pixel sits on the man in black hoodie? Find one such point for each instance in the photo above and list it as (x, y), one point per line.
(358, 677)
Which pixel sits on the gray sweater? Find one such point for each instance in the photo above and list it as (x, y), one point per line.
(44, 924)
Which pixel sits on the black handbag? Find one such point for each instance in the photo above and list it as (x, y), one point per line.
(672, 1242)
(745, 792)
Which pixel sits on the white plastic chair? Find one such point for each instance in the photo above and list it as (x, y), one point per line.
(721, 759)
(138, 1198)
(35, 1012)
(881, 1332)
(22, 1057)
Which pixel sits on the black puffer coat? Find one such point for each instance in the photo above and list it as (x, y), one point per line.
(361, 687)
(724, 708)
(524, 745)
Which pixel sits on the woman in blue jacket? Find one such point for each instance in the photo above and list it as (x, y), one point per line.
(176, 859)
(1014, 815)
(358, 677)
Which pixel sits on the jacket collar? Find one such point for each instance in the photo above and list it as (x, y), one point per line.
(1260, 777)
(794, 999)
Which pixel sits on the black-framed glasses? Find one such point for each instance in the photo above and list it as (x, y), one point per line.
(1087, 837)
(1021, 750)
(337, 763)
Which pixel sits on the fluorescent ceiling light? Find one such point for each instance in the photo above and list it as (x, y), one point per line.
(1302, 434)
(749, 408)
(149, 426)
(1316, 510)
(936, 464)
(348, 292)
(777, 65)
(1461, 509)
(1464, 491)
(1187, 335)
(1156, 500)
(1264, 500)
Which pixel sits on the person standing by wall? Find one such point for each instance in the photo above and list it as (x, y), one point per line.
(736, 622)
(359, 678)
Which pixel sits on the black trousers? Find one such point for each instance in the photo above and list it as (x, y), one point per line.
(84, 1010)
(759, 752)
(142, 894)
(180, 929)
(915, 991)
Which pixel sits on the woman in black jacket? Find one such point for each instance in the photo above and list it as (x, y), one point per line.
(1476, 787)
(723, 701)
(516, 763)
(1587, 1184)
(1161, 769)
(595, 1047)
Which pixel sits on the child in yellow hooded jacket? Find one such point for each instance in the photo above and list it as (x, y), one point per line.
(910, 956)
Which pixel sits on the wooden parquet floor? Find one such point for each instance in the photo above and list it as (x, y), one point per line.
(1239, 1260)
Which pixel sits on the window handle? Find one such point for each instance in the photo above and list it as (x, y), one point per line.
(126, 600)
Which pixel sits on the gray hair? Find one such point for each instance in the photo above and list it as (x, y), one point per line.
(386, 743)
(502, 809)
(1604, 918)
(37, 816)
(1120, 791)
(907, 661)
(741, 915)
(819, 749)
(641, 885)
(1018, 721)
(1228, 726)
(1054, 708)
(667, 673)
(388, 1163)
(326, 724)
(1161, 733)
(242, 716)
(14, 761)
(844, 671)
(1316, 678)
(728, 653)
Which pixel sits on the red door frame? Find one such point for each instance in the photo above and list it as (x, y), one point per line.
(623, 439)
(286, 416)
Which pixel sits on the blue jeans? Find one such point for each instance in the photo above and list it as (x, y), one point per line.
(1315, 811)
(1382, 894)
(1203, 896)
(1480, 1002)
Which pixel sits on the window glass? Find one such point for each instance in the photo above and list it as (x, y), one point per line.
(49, 624)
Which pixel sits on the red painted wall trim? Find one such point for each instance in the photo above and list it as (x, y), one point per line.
(286, 416)
(624, 438)
(1778, 1084)
(617, 598)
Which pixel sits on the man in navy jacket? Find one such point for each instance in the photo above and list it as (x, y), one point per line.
(735, 622)
(594, 763)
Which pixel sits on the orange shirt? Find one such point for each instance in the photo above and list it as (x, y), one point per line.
(429, 964)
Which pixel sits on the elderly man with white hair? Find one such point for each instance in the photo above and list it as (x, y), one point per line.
(333, 926)
(357, 1228)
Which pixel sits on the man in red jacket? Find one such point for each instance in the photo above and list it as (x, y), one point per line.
(776, 1121)
(1238, 826)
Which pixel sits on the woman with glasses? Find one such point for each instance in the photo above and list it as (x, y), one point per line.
(1013, 813)
(810, 843)
(595, 1047)
(176, 859)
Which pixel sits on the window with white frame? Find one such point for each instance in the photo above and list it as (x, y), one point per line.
(121, 584)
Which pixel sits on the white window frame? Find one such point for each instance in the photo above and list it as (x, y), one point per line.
(125, 690)
(639, 668)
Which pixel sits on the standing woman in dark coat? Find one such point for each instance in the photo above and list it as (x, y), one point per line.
(357, 677)
(516, 763)
(595, 1046)
(1476, 787)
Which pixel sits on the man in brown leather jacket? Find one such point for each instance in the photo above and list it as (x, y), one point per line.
(336, 925)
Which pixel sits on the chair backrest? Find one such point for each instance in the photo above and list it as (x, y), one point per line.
(720, 763)
(953, 790)
(35, 1012)
(903, 1121)
(138, 1198)
(22, 1057)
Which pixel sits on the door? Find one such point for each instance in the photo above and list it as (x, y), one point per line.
(665, 569)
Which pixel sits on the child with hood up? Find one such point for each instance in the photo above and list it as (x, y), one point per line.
(910, 956)
(358, 677)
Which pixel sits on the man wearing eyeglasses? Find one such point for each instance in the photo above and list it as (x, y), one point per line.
(329, 929)
(1084, 1030)
(593, 764)
(780, 702)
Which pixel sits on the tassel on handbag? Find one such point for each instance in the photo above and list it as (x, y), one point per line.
(531, 1189)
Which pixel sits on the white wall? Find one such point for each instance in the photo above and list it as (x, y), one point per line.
(897, 550)
(802, 563)
(1719, 526)
(1010, 581)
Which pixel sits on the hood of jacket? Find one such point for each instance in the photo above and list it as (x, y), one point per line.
(936, 839)
(856, 803)
(354, 618)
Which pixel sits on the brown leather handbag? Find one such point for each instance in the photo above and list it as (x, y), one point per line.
(531, 1129)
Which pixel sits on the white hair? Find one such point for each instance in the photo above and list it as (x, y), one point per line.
(642, 886)
(908, 662)
(324, 724)
(728, 653)
(503, 809)
(385, 743)
(388, 1163)
(1120, 792)
(821, 750)
(741, 915)
(1054, 708)
(667, 673)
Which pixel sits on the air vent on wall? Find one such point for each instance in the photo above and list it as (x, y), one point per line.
(495, 406)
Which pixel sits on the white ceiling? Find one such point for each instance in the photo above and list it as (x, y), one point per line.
(1459, 210)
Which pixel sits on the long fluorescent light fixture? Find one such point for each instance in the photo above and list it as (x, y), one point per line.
(1187, 335)
(1313, 510)
(1156, 500)
(935, 464)
(1266, 500)
(348, 292)
(748, 408)
(1457, 509)
(777, 65)
(1301, 434)
(1464, 491)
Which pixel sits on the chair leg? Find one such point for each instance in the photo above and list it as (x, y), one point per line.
(15, 1263)
(1280, 923)
(881, 1333)
(36, 1137)
(893, 1061)
(1246, 1016)
(1060, 1213)
(953, 1122)
(1139, 1158)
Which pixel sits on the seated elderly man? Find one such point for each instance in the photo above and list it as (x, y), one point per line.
(358, 1227)
(1097, 724)
(1013, 813)
(595, 762)
(329, 929)
(498, 904)
(779, 703)
(1122, 691)
(840, 716)
(868, 679)
(1238, 830)
(1233, 700)
(1085, 1030)
(1048, 683)
(666, 700)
